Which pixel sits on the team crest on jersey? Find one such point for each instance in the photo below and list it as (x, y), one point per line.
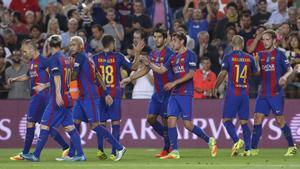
(272, 58)
(35, 65)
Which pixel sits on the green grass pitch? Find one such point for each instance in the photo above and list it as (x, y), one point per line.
(143, 159)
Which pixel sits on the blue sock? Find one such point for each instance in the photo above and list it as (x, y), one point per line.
(157, 126)
(59, 139)
(116, 134)
(28, 139)
(200, 133)
(231, 131)
(100, 139)
(173, 138)
(76, 141)
(288, 135)
(166, 139)
(257, 130)
(72, 148)
(112, 140)
(246, 136)
(41, 142)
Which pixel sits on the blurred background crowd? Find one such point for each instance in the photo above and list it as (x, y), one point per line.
(209, 26)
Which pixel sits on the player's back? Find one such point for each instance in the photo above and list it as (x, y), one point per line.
(239, 66)
(86, 76)
(158, 58)
(38, 73)
(109, 64)
(273, 64)
(60, 66)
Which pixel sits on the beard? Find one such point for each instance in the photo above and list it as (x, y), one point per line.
(16, 61)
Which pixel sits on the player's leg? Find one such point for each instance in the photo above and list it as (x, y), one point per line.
(33, 116)
(92, 113)
(115, 115)
(243, 113)
(104, 116)
(153, 112)
(277, 104)
(69, 127)
(173, 113)
(60, 140)
(262, 109)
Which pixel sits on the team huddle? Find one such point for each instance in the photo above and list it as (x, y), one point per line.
(173, 65)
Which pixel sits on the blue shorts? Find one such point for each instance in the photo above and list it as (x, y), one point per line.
(181, 106)
(86, 110)
(37, 107)
(236, 106)
(54, 116)
(112, 112)
(158, 105)
(275, 104)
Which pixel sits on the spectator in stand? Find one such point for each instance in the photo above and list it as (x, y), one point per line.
(73, 13)
(272, 5)
(255, 44)
(204, 80)
(200, 19)
(72, 31)
(114, 28)
(30, 19)
(144, 86)
(230, 32)
(160, 12)
(17, 25)
(124, 9)
(280, 16)
(4, 64)
(37, 37)
(52, 11)
(205, 49)
(18, 90)
(11, 39)
(96, 42)
(262, 15)
(68, 5)
(293, 49)
(247, 31)
(53, 28)
(98, 10)
(292, 12)
(231, 19)
(283, 32)
(138, 20)
(22, 6)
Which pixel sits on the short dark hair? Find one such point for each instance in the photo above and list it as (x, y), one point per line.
(271, 32)
(246, 13)
(17, 15)
(180, 36)
(70, 13)
(107, 40)
(36, 27)
(97, 26)
(163, 32)
(184, 27)
(205, 58)
(232, 4)
(55, 41)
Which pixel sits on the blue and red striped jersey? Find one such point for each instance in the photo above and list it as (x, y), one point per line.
(182, 64)
(158, 58)
(86, 76)
(273, 65)
(38, 73)
(60, 66)
(239, 66)
(109, 64)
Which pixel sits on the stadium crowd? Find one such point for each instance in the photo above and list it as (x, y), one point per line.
(130, 21)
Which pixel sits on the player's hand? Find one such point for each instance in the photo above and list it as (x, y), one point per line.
(109, 100)
(282, 81)
(59, 100)
(145, 60)
(10, 81)
(169, 86)
(39, 87)
(125, 81)
(138, 48)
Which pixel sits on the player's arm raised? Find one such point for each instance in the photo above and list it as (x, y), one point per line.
(137, 51)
